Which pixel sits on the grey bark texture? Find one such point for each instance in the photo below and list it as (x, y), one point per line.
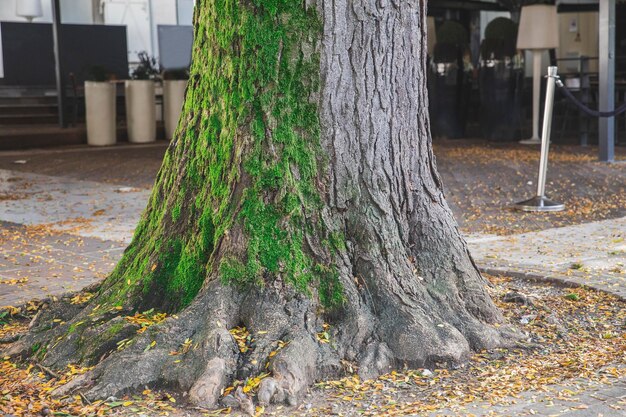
(413, 296)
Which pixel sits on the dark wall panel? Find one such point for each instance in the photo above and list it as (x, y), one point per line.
(175, 43)
(29, 57)
(87, 45)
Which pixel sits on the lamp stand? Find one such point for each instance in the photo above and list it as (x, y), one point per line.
(535, 139)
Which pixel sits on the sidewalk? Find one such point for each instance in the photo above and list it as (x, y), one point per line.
(37, 261)
(590, 254)
(67, 214)
(576, 398)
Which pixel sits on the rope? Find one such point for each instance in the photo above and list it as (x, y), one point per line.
(590, 112)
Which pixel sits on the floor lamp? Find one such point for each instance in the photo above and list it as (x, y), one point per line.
(538, 31)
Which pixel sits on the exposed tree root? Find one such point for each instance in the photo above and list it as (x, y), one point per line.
(194, 352)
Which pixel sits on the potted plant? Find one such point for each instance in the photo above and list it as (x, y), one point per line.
(140, 101)
(174, 85)
(100, 108)
(500, 76)
(449, 85)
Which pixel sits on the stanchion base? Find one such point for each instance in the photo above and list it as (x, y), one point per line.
(539, 204)
(531, 141)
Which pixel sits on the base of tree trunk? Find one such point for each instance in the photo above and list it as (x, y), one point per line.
(194, 351)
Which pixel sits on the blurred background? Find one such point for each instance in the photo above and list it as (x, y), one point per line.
(481, 59)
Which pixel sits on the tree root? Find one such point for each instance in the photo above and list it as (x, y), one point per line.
(48, 371)
(195, 351)
(9, 339)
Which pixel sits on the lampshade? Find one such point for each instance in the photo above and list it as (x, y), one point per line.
(538, 27)
(431, 33)
(29, 9)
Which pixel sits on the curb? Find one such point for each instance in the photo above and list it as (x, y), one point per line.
(559, 280)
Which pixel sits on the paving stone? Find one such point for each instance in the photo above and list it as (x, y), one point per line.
(83, 208)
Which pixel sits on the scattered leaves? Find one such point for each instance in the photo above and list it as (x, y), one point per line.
(82, 298)
(146, 319)
(324, 336)
(242, 337)
(566, 341)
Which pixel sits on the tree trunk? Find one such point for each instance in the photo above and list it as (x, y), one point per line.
(299, 199)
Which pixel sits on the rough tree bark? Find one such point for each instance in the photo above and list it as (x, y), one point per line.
(299, 195)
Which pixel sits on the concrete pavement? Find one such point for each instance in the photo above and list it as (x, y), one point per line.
(575, 398)
(591, 254)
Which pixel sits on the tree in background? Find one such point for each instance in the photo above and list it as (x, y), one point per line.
(515, 6)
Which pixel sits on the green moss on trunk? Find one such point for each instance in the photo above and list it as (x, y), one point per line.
(249, 118)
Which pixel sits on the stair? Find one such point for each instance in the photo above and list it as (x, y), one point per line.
(20, 106)
(40, 136)
(29, 119)
(12, 116)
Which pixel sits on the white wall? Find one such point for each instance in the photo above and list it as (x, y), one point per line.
(136, 16)
(76, 11)
(185, 12)
(486, 17)
(164, 13)
(72, 11)
(7, 12)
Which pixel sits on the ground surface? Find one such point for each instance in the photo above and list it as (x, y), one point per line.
(76, 208)
(571, 361)
(482, 180)
(132, 165)
(67, 214)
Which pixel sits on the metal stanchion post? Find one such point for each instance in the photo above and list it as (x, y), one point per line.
(540, 202)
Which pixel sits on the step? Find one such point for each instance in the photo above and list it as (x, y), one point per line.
(34, 100)
(26, 119)
(40, 136)
(22, 108)
(29, 91)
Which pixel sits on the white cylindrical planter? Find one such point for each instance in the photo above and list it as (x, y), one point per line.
(100, 113)
(140, 117)
(173, 98)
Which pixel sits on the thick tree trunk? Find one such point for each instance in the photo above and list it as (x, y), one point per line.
(300, 198)
(424, 299)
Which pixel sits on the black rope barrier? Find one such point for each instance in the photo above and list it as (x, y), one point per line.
(590, 112)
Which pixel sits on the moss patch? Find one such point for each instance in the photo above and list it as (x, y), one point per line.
(249, 118)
